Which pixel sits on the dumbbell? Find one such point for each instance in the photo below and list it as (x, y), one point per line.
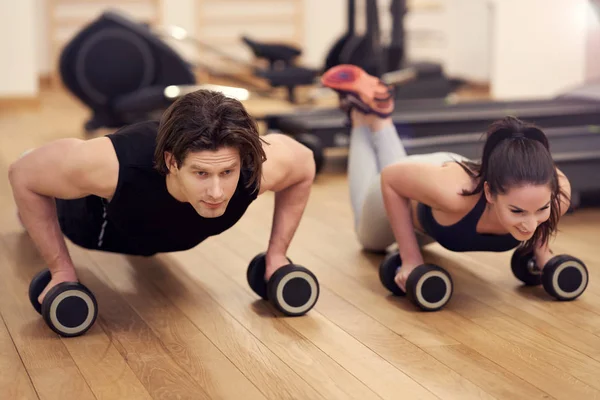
(428, 286)
(292, 289)
(563, 277)
(69, 308)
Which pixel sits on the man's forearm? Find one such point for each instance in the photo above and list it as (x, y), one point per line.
(289, 207)
(38, 215)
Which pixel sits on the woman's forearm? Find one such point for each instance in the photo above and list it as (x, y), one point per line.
(400, 216)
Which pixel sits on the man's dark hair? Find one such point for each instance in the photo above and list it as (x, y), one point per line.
(209, 120)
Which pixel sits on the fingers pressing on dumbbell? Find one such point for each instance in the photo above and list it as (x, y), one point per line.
(563, 277)
(428, 286)
(68, 308)
(292, 289)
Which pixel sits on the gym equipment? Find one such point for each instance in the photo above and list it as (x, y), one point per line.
(292, 289)
(424, 118)
(114, 65)
(125, 73)
(571, 121)
(69, 308)
(428, 286)
(278, 55)
(368, 53)
(333, 57)
(288, 77)
(563, 277)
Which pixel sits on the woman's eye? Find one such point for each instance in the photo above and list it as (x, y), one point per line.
(516, 211)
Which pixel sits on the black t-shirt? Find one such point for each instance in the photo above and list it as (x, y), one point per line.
(143, 218)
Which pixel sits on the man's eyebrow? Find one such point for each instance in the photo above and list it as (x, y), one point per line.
(206, 166)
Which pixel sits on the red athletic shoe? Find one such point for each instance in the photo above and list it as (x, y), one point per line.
(358, 89)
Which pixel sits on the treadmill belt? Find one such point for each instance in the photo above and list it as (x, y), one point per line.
(455, 118)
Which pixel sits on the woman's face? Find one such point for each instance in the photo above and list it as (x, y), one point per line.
(522, 209)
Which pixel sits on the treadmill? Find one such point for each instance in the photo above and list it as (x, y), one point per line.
(571, 122)
(436, 117)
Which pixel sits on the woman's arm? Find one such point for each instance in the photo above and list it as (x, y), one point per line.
(436, 186)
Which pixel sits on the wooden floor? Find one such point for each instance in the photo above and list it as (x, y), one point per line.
(187, 326)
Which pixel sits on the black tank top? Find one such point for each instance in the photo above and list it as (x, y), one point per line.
(462, 236)
(143, 218)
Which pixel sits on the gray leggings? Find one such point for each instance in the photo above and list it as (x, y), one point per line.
(369, 153)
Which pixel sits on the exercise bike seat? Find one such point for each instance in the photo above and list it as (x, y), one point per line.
(290, 78)
(272, 52)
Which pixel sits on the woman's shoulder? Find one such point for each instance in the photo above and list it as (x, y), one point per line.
(459, 179)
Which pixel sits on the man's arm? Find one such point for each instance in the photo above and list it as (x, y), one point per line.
(289, 171)
(67, 169)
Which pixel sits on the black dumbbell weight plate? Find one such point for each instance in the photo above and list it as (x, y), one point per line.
(429, 287)
(69, 309)
(256, 275)
(387, 273)
(565, 277)
(293, 290)
(37, 286)
(524, 268)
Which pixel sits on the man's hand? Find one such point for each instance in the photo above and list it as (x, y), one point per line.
(289, 171)
(274, 261)
(58, 277)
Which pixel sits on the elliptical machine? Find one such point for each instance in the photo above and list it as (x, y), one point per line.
(367, 52)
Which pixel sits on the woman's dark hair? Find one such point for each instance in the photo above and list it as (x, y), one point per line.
(209, 120)
(518, 153)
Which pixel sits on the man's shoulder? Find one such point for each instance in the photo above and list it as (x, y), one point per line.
(139, 129)
(135, 143)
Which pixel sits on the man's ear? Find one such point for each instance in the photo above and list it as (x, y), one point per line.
(170, 162)
(488, 195)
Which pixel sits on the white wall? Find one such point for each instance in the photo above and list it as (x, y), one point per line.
(593, 43)
(18, 46)
(325, 23)
(469, 39)
(538, 47)
(526, 48)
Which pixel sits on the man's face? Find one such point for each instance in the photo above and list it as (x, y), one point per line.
(208, 179)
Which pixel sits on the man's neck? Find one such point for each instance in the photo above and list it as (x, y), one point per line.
(173, 188)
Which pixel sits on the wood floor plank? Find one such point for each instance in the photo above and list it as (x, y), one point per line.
(300, 354)
(52, 370)
(344, 264)
(14, 380)
(190, 348)
(485, 299)
(484, 268)
(188, 326)
(421, 366)
(145, 354)
(546, 349)
(256, 361)
(449, 322)
(228, 282)
(405, 355)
